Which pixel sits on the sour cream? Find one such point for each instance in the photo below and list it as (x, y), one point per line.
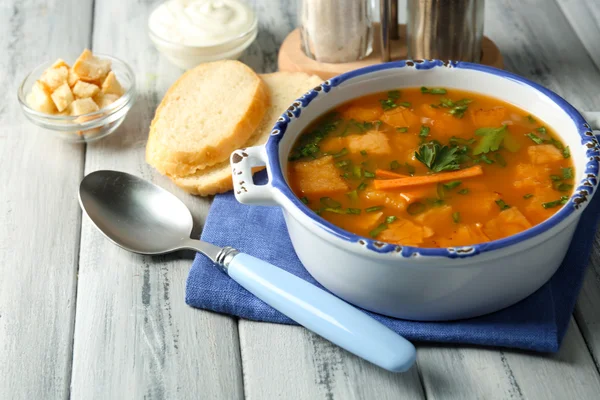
(201, 23)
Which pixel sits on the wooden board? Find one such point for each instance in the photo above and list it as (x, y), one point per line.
(39, 214)
(134, 335)
(292, 58)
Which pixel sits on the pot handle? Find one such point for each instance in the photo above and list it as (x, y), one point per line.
(243, 163)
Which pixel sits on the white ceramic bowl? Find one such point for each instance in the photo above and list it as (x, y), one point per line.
(411, 282)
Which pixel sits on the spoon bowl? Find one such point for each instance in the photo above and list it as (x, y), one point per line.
(134, 213)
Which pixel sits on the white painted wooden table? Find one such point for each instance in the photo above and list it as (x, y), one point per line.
(81, 318)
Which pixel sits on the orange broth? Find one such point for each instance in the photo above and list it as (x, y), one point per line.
(513, 170)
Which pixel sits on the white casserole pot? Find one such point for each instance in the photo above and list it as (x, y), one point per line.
(411, 282)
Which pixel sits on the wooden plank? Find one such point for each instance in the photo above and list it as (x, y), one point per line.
(134, 335)
(39, 215)
(282, 361)
(584, 16)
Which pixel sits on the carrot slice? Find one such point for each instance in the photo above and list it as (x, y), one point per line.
(384, 173)
(386, 184)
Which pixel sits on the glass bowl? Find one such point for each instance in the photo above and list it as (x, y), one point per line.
(86, 127)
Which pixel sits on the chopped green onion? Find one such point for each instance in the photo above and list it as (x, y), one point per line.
(375, 232)
(410, 169)
(329, 202)
(390, 219)
(353, 195)
(355, 211)
(373, 209)
(541, 129)
(555, 178)
(357, 171)
(362, 186)
(342, 164)
(456, 217)
(531, 119)
(404, 104)
(341, 153)
(459, 111)
(567, 173)
(528, 196)
(452, 185)
(440, 191)
(304, 199)
(416, 208)
(424, 132)
(551, 204)
(502, 204)
(404, 129)
(425, 90)
(435, 202)
(463, 191)
(394, 165)
(363, 153)
(536, 139)
(334, 210)
(369, 174)
(566, 152)
(500, 160)
(388, 104)
(345, 175)
(562, 187)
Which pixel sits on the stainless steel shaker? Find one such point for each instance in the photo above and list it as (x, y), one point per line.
(445, 29)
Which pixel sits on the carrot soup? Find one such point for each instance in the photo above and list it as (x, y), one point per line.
(431, 167)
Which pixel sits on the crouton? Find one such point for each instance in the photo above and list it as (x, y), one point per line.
(84, 89)
(111, 85)
(62, 97)
(90, 68)
(544, 154)
(319, 177)
(373, 142)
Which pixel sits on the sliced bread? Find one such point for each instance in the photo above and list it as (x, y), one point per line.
(207, 113)
(284, 88)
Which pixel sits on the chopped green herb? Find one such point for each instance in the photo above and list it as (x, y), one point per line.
(388, 104)
(491, 139)
(416, 208)
(404, 129)
(567, 173)
(355, 211)
(334, 210)
(456, 217)
(357, 171)
(502, 204)
(394, 165)
(362, 186)
(373, 209)
(404, 104)
(345, 175)
(536, 139)
(541, 129)
(353, 195)
(463, 191)
(531, 119)
(329, 202)
(341, 153)
(363, 153)
(435, 202)
(447, 103)
(410, 169)
(425, 90)
(555, 178)
(390, 219)
(342, 164)
(438, 158)
(452, 185)
(528, 196)
(566, 152)
(551, 204)
(562, 187)
(369, 174)
(375, 232)
(424, 132)
(309, 143)
(485, 159)
(459, 111)
(440, 191)
(500, 160)
(304, 199)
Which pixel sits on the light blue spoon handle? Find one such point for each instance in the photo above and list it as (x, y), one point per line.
(323, 313)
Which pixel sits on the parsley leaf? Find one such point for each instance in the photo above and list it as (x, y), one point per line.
(491, 139)
(438, 158)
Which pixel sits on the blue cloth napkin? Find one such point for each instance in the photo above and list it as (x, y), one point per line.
(537, 323)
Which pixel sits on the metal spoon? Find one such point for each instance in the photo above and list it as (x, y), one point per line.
(146, 219)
